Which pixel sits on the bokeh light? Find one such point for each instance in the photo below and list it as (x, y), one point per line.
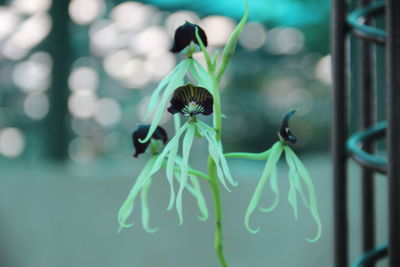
(253, 36)
(12, 142)
(84, 12)
(83, 78)
(282, 41)
(104, 37)
(150, 40)
(107, 112)
(82, 103)
(178, 18)
(81, 150)
(132, 16)
(29, 7)
(33, 75)
(36, 106)
(218, 29)
(9, 20)
(323, 70)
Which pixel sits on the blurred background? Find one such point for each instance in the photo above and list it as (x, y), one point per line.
(75, 78)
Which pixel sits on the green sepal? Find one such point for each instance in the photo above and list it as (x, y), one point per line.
(272, 161)
(127, 207)
(230, 46)
(145, 208)
(306, 178)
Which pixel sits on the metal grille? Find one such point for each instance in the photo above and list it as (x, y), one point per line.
(360, 23)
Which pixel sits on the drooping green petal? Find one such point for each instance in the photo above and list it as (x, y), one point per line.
(145, 208)
(214, 154)
(292, 196)
(273, 159)
(230, 46)
(202, 76)
(155, 95)
(275, 190)
(186, 147)
(294, 179)
(170, 173)
(127, 207)
(201, 203)
(175, 82)
(173, 142)
(305, 176)
(217, 146)
(177, 122)
(195, 190)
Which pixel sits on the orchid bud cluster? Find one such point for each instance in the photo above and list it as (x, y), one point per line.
(190, 100)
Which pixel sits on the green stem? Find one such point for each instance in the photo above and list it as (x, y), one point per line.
(253, 156)
(218, 242)
(218, 213)
(217, 110)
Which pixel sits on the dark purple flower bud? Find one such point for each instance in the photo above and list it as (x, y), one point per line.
(191, 100)
(141, 132)
(185, 34)
(284, 132)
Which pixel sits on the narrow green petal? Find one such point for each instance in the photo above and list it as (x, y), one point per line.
(218, 148)
(275, 190)
(213, 153)
(311, 192)
(215, 57)
(170, 173)
(204, 77)
(177, 121)
(186, 147)
(176, 82)
(145, 208)
(127, 207)
(294, 178)
(276, 152)
(155, 95)
(206, 55)
(230, 46)
(173, 142)
(201, 203)
(292, 196)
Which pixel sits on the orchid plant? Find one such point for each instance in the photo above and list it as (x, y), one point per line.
(192, 100)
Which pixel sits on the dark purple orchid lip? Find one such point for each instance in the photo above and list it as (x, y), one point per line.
(141, 132)
(284, 132)
(185, 34)
(191, 100)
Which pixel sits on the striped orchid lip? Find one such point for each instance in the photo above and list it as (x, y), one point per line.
(185, 35)
(191, 100)
(284, 133)
(141, 132)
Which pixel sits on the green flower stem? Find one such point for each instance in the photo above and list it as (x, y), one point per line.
(217, 109)
(253, 156)
(218, 212)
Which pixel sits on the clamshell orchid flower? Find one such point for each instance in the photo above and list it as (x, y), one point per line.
(184, 37)
(191, 101)
(144, 179)
(299, 178)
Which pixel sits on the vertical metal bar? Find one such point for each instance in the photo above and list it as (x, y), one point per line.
(367, 118)
(393, 132)
(59, 49)
(339, 132)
